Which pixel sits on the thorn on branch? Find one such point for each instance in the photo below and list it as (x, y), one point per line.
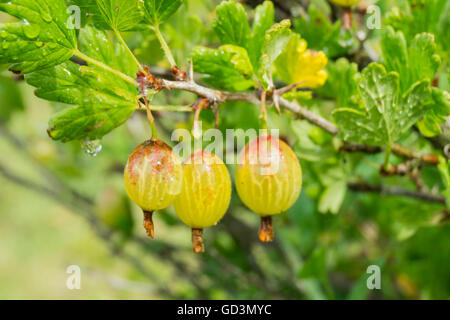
(288, 88)
(191, 71)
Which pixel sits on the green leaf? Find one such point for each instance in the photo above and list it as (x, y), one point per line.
(275, 40)
(231, 24)
(227, 68)
(395, 54)
(444, 170)
(263, 20)
(92, 120)
(320, 33)
(332, 197)
(105, 100)
(341, 83)
(158, 11)
(423, 16)
(120, 15)
(10, 97)
(315, 266)
(41, 40)
(386, 114)
(306, 147)
(415, 62)
(430, 126)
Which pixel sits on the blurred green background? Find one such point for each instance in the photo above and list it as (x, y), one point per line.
(60, 206)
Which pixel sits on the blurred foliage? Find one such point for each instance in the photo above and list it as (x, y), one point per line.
(324, 243)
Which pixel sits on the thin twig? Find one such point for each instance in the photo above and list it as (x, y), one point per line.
(396, 191)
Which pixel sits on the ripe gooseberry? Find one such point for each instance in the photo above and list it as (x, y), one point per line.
(205, 195)
(345, 3)
(268, 179)
(153, 176)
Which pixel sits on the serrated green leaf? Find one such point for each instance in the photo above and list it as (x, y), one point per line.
(332, 197)
(395, 53)
(419, 16)
(430, 126)
(263, 20)
(231, 24)
(41, 40)
(414, 62)
(158, 11)
(227, 67)
(10, 97)
(341, 83)
(386, 114)
(120, 15)
(275, 41)
(320, 33)
(92, 120)
(105, 101)
(305, 147)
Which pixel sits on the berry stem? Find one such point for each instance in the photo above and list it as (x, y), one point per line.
(148, 223)
(266, 229)
(197, 240)
(263, 114)
(347, 18)
(386, 158)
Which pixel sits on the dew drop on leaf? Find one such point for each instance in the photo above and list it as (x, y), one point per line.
(91, 147)
(31, 31)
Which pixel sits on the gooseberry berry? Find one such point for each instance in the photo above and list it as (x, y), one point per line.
(345, 3)
(153, 176)
(205, 194)
(268, 179)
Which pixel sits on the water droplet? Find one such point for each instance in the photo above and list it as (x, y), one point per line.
(31, 31)
(46, 17)
(91, 147)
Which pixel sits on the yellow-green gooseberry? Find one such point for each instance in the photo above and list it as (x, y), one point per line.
(205, 194)
(153, 177)
(268, 179)
(345, 3)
